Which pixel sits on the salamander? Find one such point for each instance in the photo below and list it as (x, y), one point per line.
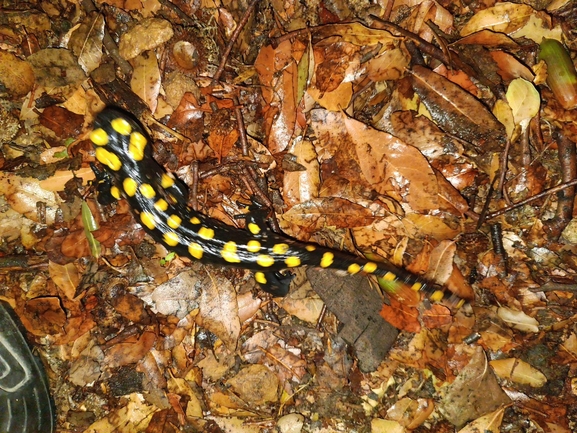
(158, 201)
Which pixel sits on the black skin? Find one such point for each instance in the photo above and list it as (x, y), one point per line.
(148, 171)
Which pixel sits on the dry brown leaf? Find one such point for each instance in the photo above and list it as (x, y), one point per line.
(66, 277)
(278, 71)
(401, 316)
(387, 164)
(319, 213)
(86, 41)
(457, 111)
(46, 315)
(219, 309)
(129, 351)
(256, 385)
(17, 75)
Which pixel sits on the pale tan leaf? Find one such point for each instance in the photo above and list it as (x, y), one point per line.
(145, 80)
(504, 17)
(524, 101)
(24, 193)
(518, 371)
(518, 320)
(379, 425)
(490, 422)
(256, 385)
(302, 176)
(355, 33)
(441, 261)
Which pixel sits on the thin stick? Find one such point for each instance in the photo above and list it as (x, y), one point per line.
(542, 194)
(233, 39)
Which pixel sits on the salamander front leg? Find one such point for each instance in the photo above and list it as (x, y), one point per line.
(275, 283)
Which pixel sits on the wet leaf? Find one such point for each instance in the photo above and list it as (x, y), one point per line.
(457, 111)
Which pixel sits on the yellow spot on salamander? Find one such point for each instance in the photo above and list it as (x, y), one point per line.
(121, 126)
(354, 269)
(166, 181)
(253, 246)
(99, 137)
(389, 276)
(161, 205)
(194, 220)
(206, 233)
(280, 248)
(260, 277)
(437, 296)
(370, 267)
(147, 220)
(147, 190)
(195, 250)
(115, 192)
(264, 260)
(229, 254)
(327, 259)
(416, 287)
(174, 221)
(136, 146)
(293, 261)
(129, 186)
(171, 239)
(310, 248)
(253, 228)
(108, 158)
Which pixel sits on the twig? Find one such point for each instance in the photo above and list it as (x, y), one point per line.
(542, 194)
(566, 198)
(233, 39)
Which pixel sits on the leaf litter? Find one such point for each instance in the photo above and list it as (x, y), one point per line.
(403, 131)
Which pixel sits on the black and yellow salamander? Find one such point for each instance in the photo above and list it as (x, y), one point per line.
(158, 202)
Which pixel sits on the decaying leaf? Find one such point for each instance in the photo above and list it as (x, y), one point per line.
(474, 393)
(146, 36)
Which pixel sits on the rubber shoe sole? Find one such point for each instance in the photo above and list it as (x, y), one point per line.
(25, 403)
